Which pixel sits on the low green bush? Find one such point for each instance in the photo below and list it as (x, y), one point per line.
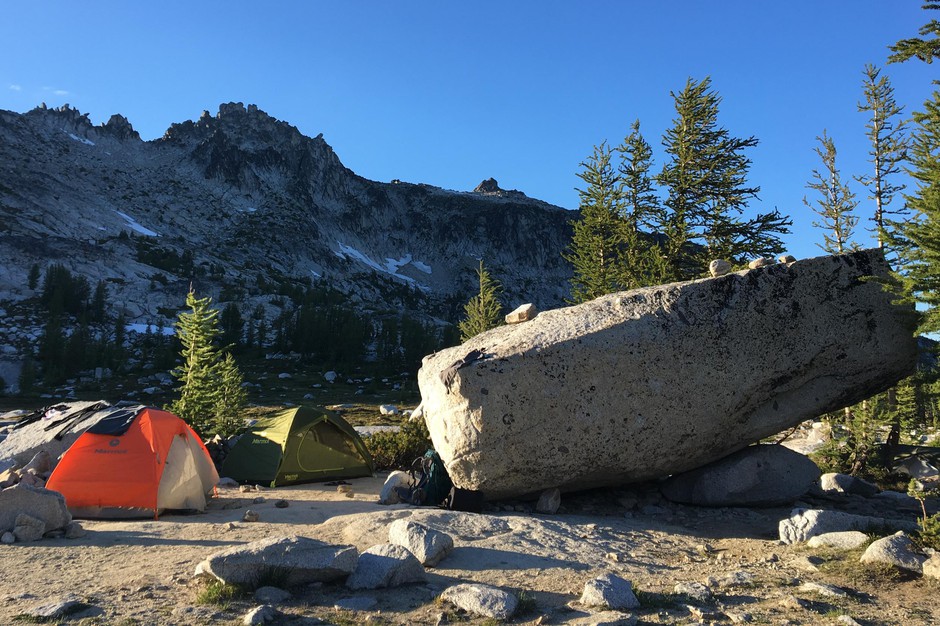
(396, 450)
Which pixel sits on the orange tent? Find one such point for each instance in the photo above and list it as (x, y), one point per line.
(135, 462)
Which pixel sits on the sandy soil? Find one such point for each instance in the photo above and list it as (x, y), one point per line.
(141, 572)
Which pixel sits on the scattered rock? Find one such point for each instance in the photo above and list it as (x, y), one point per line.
(301, 560)
(610, 591)
(604, 618)
(482, 600)
(75, 530)
(823, 589)
(845, 540)
(61, 608)
(896, 550)
(806, 523)
(674, 405)
(281, 504)
(845, 483)
(41, 464)
(251, 516)
(28, 528)
(264, 614)
(388, 409)
(695, 591)
(549, 501)
(760, 475)
(718, 267)
(760, 262)
(523, 313)
(427, 545)
(786, 258)
(386, 565)
(228, 483)
(931, 566)
(7, 537)
(395, 481)
(271, 595)
(739, 578)
(41, 504)
(847, 621)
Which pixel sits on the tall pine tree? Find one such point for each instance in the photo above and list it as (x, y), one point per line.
(924, 49)
(706, 181)
(836, 208)
(888, 147)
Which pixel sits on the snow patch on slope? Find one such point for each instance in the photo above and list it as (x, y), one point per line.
(87, 142)
(391, 266)
(133, 225)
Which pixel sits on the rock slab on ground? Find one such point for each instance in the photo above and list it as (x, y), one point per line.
(609, 591)
(427, 545)
(482, 600)
(386, 565)
(804, 524)
(662, 380)
(293, 560)
(761, 475)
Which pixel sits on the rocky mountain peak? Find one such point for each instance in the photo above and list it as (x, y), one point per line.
(118, 126)
(490, 187)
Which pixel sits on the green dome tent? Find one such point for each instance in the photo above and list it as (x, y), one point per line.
(298, 445)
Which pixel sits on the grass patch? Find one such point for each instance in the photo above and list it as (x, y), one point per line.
(526, 603)
(218, 593)
(655, 601)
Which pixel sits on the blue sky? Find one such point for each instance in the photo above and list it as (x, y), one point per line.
(452, 93)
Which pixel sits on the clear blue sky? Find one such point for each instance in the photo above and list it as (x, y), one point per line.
(451, 93)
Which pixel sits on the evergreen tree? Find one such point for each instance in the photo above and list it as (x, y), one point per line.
(484, 310)
(33, 277)
(198, 374)
(599, 233)
(706, 180)
(97, 308)
(888, 146)
(643, 261)
(231, 398)
(836, 208)
(232, 325)
(924, 49)
(920, 236)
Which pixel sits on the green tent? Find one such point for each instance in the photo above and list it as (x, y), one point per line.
(298, 445)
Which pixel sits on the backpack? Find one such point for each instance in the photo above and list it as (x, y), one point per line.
(432, 484)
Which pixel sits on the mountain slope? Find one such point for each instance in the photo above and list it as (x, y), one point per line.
(238, 203)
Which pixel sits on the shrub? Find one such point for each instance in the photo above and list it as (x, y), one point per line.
(397, 450)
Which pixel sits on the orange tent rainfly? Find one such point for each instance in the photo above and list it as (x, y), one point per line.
(135, 462)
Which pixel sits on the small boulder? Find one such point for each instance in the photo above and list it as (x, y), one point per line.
(523, 313)
(760, 262)
(896, 550)
(482, 600)
(549, 501)
(75, 530)
(427, 545)
(718, 267)
(251, 516)
(271, 595)
(7, 537)
(610, 591)
(695, 591)
(786, 258)
(931, 566)
(41, 464)
(42, 504)
(845, 540)
(390, 490)
(386, 565)
(846, 483)
(388, 409)
(760, 475)
(822, 589)
(28, 528)
(264, 614)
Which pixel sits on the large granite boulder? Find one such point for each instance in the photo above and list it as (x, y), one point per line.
(40, 504)
(656, 381)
